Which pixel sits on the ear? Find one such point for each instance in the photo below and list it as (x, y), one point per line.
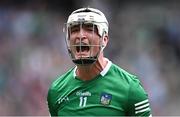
(105, 40)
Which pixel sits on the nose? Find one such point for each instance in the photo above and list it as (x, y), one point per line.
(81, 34)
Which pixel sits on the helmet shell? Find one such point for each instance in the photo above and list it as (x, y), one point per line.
(89, 15)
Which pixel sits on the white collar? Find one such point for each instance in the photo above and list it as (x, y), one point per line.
(103, 72)
(106, 69)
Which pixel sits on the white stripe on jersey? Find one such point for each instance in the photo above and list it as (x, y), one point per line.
(142, 102)
(143, 106)
(143, 110)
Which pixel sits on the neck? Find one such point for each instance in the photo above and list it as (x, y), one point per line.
(91, 71)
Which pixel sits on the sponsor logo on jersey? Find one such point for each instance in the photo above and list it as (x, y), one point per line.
(83, 94)
(105, 98)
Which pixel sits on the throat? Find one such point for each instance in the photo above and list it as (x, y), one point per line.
(87, 73)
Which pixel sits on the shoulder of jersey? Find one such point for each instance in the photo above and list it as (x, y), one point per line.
(61, 78)
(123, 74)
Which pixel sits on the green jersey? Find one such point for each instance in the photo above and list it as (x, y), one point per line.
(114, 92)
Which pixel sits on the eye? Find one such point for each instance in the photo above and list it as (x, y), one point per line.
(89, 27)
(74, 29)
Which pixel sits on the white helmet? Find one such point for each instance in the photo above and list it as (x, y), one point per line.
(86, 15)
(91, 15)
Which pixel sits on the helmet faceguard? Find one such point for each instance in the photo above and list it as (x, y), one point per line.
(86, 17)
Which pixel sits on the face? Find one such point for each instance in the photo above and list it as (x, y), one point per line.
(84, 40)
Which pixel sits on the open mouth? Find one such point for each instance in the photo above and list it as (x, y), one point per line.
(82, 48)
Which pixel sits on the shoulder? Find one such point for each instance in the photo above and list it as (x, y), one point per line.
(132, 80)
(124, 75)
(60, 80)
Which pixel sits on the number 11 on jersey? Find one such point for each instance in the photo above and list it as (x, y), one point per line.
(83, 101)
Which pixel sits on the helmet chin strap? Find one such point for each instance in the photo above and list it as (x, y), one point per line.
(85, 61)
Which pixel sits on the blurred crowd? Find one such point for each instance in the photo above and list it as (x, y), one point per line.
(144, 39)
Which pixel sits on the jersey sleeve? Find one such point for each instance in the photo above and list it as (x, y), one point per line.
(51, 103)
(138, 103)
